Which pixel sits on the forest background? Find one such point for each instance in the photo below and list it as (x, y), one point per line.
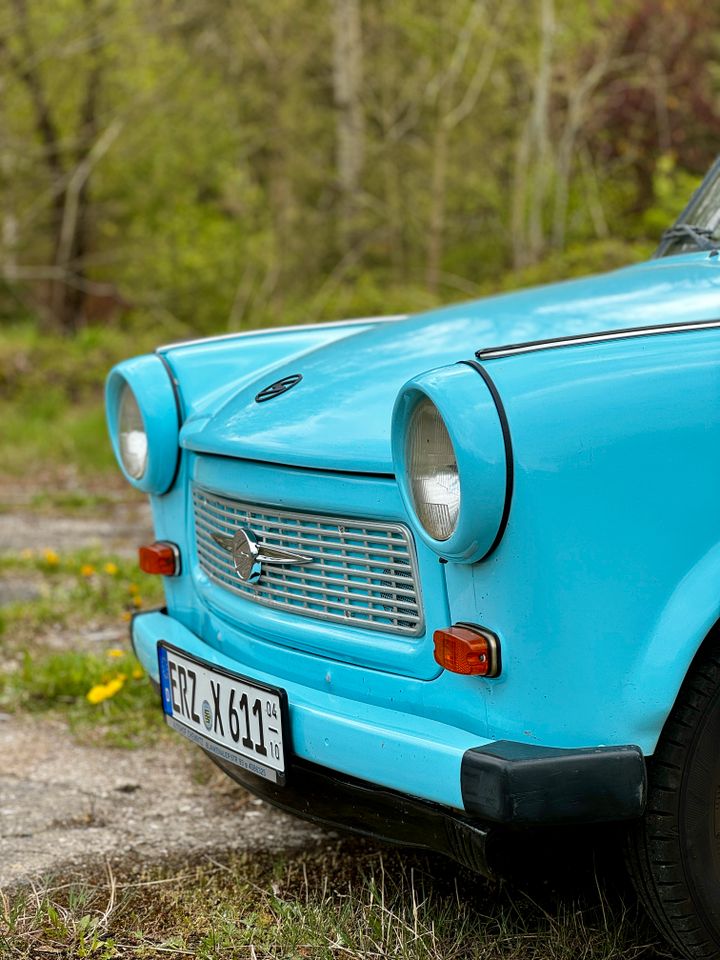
(185, 167)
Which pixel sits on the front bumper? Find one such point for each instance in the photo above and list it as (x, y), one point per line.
(401, 777)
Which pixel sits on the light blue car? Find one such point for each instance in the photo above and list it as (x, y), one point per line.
(432, 578)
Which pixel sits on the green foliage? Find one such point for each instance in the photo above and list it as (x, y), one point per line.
(102, 692)
(215, 201)
(672, 189)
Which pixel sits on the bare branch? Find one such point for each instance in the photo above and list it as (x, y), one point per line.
(447, 78)
(483, 71)
(75, 186)
(57, 274)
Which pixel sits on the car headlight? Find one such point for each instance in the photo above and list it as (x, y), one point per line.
(453, 461)
(432, 471)
(131, 434)
(143, 421)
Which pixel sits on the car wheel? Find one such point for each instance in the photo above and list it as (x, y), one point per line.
(673, 853)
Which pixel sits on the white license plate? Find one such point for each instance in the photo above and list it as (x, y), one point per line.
(239, 720)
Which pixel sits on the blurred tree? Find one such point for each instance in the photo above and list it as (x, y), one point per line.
(201, 164)
(70, 150)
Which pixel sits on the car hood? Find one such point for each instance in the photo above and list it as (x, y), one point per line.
(338, 416)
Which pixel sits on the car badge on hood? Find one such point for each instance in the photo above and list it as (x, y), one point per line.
(249, 554)
(280, 386)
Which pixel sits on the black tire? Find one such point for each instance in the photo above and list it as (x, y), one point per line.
(673, 853)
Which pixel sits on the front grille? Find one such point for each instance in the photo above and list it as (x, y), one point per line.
(362, 573)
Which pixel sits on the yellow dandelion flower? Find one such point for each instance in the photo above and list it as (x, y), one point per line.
(97, 694)
(50, 557)
(138, 673)
(87, 570)
(116, 652)
(115, 684)
(126, 616)
(133, 588)
(103, 691)
(137, 601)
(111, 569)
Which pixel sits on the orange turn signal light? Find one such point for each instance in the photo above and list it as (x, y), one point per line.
(160, 557)
(467, 649)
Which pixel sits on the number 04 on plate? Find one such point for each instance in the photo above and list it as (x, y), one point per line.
(237, 719)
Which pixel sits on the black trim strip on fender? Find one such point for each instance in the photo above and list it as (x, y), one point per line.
(509, 350)
(179, 413)
(509, 459)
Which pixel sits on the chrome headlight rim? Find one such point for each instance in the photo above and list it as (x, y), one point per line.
(147, 380)
(475, 422)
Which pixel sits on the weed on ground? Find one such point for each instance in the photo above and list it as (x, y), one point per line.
(350, 900)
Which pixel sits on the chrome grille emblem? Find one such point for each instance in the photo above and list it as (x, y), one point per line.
(249, 554)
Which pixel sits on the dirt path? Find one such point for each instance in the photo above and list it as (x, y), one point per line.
(118, 528)
(64, 806)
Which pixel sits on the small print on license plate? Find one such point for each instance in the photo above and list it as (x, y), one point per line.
(237, 719)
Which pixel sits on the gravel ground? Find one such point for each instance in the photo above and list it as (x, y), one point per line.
(64, 806)
(119, 528)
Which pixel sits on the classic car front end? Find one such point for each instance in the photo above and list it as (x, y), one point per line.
(433, 577)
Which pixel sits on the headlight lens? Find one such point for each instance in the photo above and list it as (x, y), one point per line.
(132, 435)
(432, 471)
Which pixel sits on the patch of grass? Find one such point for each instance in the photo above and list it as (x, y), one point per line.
(77, 588)
(347, 901)
(106, 698)
(78, 591)
(68, 501)
(51, 397)
(49, 432)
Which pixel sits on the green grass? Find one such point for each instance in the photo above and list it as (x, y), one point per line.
(78, 592)
(77, 588)
(128, 715)
(69, 501)
(51, 398)
(346, 901)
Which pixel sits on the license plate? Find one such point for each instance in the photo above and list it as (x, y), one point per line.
(240, 720)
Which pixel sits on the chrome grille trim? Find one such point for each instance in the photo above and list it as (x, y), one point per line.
(364, 573)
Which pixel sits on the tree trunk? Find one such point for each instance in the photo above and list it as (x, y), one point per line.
(347, 89)
(438, 200)
(541, 133)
